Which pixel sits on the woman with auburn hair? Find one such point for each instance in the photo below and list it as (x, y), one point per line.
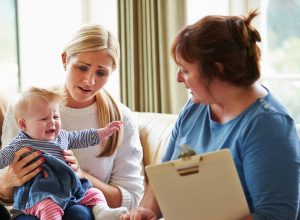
(218, 61)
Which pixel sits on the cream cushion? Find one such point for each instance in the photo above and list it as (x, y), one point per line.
(155, 130)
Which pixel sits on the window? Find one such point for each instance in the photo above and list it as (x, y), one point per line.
(8, 47)
(279, 26)
(280, 64)
(196, 9)
(44, 27)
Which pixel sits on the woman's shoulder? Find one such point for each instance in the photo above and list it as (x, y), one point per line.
(130, 137)
(270, 102)
(268, 114)
(128, 117)
(126, 111)
(268, 108)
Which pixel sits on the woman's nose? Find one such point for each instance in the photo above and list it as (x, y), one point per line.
(89, 78)
(179, 76)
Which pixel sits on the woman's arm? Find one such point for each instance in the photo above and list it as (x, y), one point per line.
(16, 174)
(112, 193)
(248, 218)
(271, 167)
(148, 208)
(149, 201)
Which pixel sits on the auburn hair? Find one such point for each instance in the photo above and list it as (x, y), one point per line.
(229, 40)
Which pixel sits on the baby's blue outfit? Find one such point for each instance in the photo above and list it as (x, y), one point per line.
(63, 185)
(265, 147)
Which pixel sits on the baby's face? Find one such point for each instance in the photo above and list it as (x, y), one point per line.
(42, 120)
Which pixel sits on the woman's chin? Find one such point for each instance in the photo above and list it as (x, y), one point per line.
(81, 101)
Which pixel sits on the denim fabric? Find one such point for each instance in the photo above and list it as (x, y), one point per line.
(78, 212)
(74, 212)
(26, 217)
(63, 186)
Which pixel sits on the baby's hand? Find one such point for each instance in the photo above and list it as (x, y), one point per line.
(109, 129)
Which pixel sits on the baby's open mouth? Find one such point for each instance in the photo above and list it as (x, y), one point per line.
(50, 131)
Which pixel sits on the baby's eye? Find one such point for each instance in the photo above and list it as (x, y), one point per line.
(56, 117)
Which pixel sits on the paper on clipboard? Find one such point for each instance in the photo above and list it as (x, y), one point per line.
(201, 187)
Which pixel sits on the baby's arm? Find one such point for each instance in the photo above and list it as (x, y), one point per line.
(6, 156)
(109, 129)
(90, 137)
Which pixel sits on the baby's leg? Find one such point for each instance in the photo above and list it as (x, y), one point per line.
(46, 210)
(95, 198)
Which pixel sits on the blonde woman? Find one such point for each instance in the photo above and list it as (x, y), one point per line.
(113, 167)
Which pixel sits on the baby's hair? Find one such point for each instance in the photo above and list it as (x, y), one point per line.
(50, 95)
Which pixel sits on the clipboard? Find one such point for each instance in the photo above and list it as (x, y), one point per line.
(200, 187)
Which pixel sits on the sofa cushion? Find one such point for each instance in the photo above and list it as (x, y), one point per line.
(155, 130)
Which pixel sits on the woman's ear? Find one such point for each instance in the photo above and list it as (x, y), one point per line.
(220, 68)
(64, 59)
(22, 124)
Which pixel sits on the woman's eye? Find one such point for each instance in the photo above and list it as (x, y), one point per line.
(101, 73)
(82, 68)
(184, 71)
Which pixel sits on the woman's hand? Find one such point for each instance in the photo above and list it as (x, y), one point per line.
(139, 214)
(18, 173)
(72, 161)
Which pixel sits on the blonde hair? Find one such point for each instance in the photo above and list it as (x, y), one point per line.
(94, 37)
(51, 96)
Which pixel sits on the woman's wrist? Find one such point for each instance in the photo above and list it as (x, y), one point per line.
(6, 192)
(81, 173)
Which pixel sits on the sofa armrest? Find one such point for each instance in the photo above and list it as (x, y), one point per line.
(155, 130)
